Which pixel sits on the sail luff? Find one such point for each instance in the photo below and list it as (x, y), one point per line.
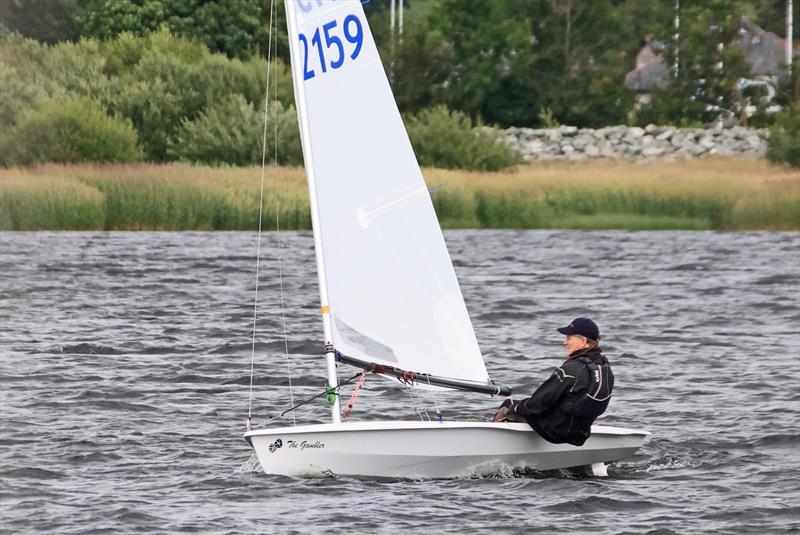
(308, 157)
(383, 263)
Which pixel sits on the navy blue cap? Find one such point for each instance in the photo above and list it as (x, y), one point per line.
(582, 326)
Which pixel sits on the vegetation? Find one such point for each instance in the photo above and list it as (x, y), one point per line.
(184, 103)
(184, 81)
(448, 139)
(718, 194)
(502, 62)
(712, 194)
(706, 68)
(784, 137)
(69, 130)
(236, 28)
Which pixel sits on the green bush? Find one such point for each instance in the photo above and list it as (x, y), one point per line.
(448, 139)
(76, 69)
(162, 82)
(783, 145)
(15, 95)
(71, 130)
(285, 135)
(225, 133)
(123, 53)
(30, 71)
(231, 132)
(23, 80)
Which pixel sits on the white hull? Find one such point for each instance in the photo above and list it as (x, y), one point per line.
(428, 449)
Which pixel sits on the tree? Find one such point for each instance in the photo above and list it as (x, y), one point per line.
(48, 22)
(709, 66)
(508, 61)
(237, 28)
(71, 130)
(784, 137)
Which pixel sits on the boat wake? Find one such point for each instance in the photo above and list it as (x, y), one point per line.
(670, 463)
(251, 465)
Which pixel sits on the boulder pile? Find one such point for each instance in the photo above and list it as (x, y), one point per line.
(635, 143)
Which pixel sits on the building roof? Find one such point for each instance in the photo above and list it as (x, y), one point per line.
(764, 51)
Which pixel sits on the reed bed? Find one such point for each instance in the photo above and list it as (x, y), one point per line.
(719, 194)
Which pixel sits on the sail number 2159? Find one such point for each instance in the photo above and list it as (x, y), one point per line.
(329, 45)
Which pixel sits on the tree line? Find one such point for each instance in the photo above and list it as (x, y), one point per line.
(184, 79)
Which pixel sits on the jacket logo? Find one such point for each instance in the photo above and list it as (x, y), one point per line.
(275, 445)
(597, 375)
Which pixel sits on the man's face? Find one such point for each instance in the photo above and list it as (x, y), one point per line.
(574, 342)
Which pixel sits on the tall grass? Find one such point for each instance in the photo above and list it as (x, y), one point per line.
(722, 194)
(151, 197)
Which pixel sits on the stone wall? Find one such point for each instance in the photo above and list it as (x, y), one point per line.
(634, 143)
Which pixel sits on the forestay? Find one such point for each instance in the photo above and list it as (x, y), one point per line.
(391, 288)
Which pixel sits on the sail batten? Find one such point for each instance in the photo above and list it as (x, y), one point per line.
(393, 294)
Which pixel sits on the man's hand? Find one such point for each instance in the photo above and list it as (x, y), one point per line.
(500, 416)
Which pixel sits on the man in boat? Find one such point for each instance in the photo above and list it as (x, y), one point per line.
(564, 407)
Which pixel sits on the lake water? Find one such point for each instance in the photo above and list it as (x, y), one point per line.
(125, 368)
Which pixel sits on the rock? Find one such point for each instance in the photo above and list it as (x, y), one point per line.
(633, 143)
(754, 141)
(580, 141)
(723, 150)
(707, 142)
(607, 151)
(635, 132)
(649, 152)
(632, 150)
(653, 129)
(665, 135)
(694, 149)
(633, 135)
(536, 146)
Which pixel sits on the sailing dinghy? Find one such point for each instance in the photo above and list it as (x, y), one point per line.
(390, 300)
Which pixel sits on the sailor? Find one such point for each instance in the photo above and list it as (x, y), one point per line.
(564, 407)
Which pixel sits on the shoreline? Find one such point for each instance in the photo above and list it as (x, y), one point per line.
(722, 193)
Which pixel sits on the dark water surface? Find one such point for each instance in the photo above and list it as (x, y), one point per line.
(125, 368)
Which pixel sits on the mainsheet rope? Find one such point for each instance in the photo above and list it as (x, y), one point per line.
(328, 390)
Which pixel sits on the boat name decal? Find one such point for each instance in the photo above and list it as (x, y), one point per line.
(293, 444)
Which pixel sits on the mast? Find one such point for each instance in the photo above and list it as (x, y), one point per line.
(305, 138)
(789, 35)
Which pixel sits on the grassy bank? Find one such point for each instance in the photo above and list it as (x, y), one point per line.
(723, 194)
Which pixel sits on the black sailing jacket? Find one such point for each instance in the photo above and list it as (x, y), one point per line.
(564, 407)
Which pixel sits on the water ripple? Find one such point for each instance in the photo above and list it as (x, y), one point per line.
(125, 366)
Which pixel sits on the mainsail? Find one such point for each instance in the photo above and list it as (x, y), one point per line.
(392, 292)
